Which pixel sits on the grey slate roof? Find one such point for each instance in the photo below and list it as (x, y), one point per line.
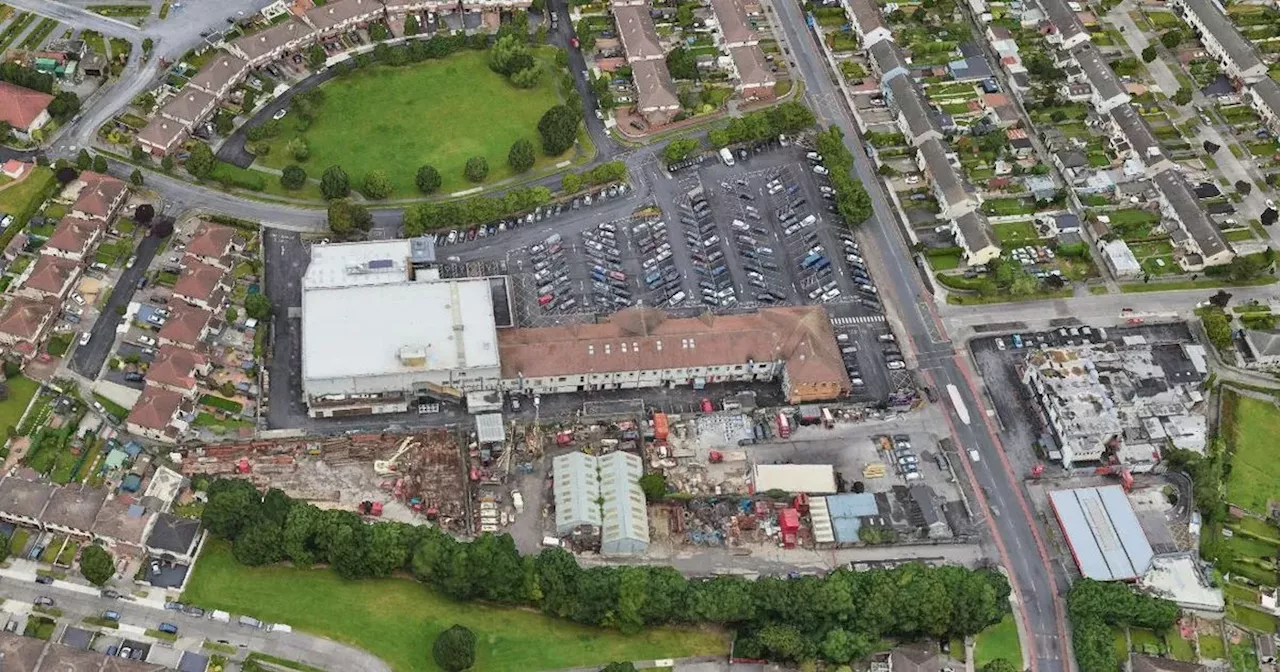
(219, 72)
(173, 533)
(887, 56)
(1193, 218)
(1062, 18)
(1137, 132)
(866, 13)
(911, 102)
(1268, 90)
(976, 231)
(942, 173)
(1238, 49)
(1099, 74)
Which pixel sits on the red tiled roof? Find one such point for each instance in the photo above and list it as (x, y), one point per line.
(155, 408)
(51, 274)
(97, 195)
(210, 240)
(73, 235)
(22, 317)
(173, 367)
(21, 107)
(198, 280)
(185, 324)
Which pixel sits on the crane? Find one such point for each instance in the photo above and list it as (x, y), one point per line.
(388, 467)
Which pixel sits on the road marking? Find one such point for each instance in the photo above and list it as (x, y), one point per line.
(849, 321)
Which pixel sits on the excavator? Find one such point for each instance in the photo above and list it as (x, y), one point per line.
(389, 467)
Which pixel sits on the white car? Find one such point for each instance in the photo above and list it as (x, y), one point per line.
(132, 260)
(973, 455)
(84, 338)
(280, 114)
(896, 365)
(821, 170)
(1271, 203)
(913, 179)
(146, 340)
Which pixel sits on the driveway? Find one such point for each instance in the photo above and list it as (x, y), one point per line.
(233, 150)
(87, 359)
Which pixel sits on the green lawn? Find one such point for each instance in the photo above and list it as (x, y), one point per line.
(1212, 648)
(998, 641)
(1179, 648)
(22, 199)
(1254, 469)
(1016, 232)
(21, 389)
(397, 619)
(437, 112)
(1243, 658)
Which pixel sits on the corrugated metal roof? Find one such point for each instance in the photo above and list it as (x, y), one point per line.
(847, 511)
(489, 428)
(821, 517)
(815, 479)
(577, 486)
(1103, 531)
(625, 519)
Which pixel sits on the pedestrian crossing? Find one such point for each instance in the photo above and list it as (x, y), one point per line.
(850, 321)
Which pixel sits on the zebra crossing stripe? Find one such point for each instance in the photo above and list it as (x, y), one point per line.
(849, 321)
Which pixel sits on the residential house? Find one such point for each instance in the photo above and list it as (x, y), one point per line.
(920, 657)
(916, 119)
(73, 238)
(174, 537)
(735, 27)
(214, 244)
(973, 233)
(339, 15)
(955, 197)
(178, 369)
(754, 79)
(1203, 245)
(656, 98)
(1000, 110)
(162, 135)
(1076, 92)
(121, 520)
(25, 111)
(868, 22)
(1265, 346)
(888, 61)
(189, 106)
(971, 66)
(201, 284)
(219, 75)
(72, 510)
(1108, 92)
(24, 321)
(1020, 144)
(22, 501)
(1132, 138)
(267, 45)
(1067, 31)
(48, 277)
(1221, 39)
(637, 32)
(1120, 259)
(97, 196)
(1265, 99)
(15, 169)
(160, 414)
(186, 327)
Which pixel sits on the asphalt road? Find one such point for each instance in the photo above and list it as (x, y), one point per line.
(88, 358)
(301, 647)
(1013, 524)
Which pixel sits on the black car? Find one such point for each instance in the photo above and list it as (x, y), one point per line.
(44, 579)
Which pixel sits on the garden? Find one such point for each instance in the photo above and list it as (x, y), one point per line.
(396, 119)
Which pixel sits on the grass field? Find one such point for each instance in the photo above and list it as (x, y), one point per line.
(1212, 648)
(22, 199)
(1254, 469)
(998, 641)
(1179, 648)
(21, 389)
(1011, 233)
(437, 112)
(397, 619)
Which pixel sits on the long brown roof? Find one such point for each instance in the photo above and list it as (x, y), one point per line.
(21, 107)
(22, 317)
(189, 105)
(73, 235)
(210, 240)
(99, 192)
(162, 132)
(51, 274)
(220, 72)
(654, 88)
(753, 70)
(635, 27)
(646, 339)
(260, 44)
(333, 13)
(734, 25)
(185, 324)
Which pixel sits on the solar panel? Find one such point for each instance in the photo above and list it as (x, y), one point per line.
(377, 264)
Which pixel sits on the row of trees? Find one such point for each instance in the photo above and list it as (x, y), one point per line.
(782, 119)
(1095, 607)
(422, 217)
(852, 201)
(838, 617)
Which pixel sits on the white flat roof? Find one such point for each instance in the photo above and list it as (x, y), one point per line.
(377, 262)
(1103, 532)
(352, 331)
(815, 479)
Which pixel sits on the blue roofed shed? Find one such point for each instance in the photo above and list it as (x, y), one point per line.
(847, 511)
(115, 459)
(133, 448)
(131, 483)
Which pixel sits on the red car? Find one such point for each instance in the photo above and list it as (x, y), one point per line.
(573, 42)
(706, 406)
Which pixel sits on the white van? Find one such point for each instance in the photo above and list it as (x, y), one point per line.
(675, 300)
(220, 616)
(280, 627)
(250, 621)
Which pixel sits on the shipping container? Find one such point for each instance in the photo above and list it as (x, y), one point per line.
(660, 428)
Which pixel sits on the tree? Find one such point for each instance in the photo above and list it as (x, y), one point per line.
(136, 177)
(376, 184)
(316, 55)
(619, 667)
(261, 543)
(427, 179)
(477, 169)
(99, 164)
(527, 78)
(1171, 39)
(682, 63)
(143, 214)
(147, 45)
(83, 160)
(224, 122)
(842, 646)
(166, 163)
(232, 505)
(654, 486)
(293, 177)
(257, 306)
(454, 649)
(680, 149)
(97, 565)
(999, 665)
(346, 217)
(1149, 54)
(411, 26)
(559, 130)
(4, 538)
(1183, 96)
(510, 55)
(232, 315)
(299, 149)
(334, 183)
(570, 183)
(201, 161)
(64, 105)
(521, 157)
(66, 174)
(163, 228)
(1245, 188)
(136, 152)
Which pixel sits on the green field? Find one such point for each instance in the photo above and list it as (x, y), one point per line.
(21, 389)
(998, 641)
(437, 112)
(397, 619)
(1014, 233)
(1212, 648)
(22, 199)
(1254, 469)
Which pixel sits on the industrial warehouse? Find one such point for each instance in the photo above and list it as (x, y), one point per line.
(381, 329)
